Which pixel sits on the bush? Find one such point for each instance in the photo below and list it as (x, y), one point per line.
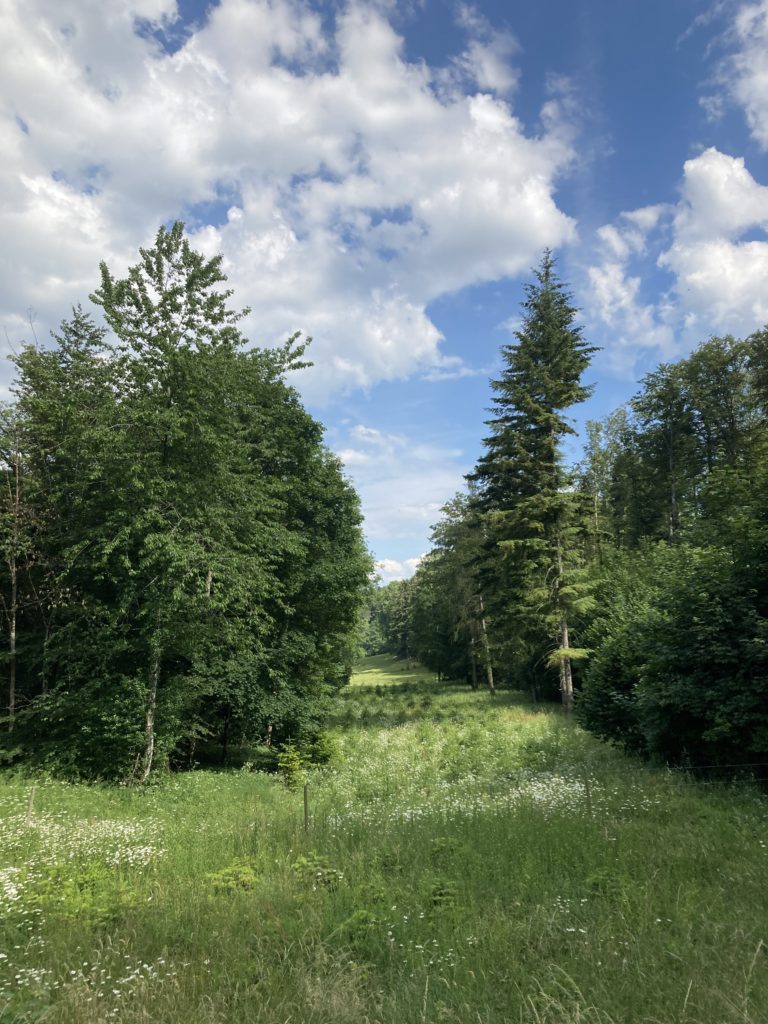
(703, 695)
(607, 703)
(325, 749)
(292, 765)
(680, 669)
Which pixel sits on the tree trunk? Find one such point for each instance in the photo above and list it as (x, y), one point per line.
(13, 570)
(12, 646)
(149, 722)
(472, 657)
(673, 514)
(486, 648)
(46, 641)
(596, 517)
(47, 621)
(566, 675)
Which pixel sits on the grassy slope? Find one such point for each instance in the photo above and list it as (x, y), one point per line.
(468, 860)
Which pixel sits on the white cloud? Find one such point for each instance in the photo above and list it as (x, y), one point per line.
(403, 482)
(357, 190)
(745, 73)
(646, 217)
(631, 327)
(353, 457)
(717, 274)
(487, 61)
(627, 326)
(389, 569)
(713, 243)
(720, 199)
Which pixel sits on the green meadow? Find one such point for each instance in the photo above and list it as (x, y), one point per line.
(467, 859)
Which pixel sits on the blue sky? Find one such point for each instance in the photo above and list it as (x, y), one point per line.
(383, 176)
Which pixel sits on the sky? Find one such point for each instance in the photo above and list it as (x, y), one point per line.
(382, 176)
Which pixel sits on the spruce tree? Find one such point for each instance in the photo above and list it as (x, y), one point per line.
(535, 581)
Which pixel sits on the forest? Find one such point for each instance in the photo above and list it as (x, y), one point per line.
(426, 835)
(633, 584)
(184, 569)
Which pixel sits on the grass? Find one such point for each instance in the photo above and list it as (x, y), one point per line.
(469, 860)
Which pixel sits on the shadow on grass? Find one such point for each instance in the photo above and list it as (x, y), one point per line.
(386, 693)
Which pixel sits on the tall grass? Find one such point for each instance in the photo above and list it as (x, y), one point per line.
(468, 859)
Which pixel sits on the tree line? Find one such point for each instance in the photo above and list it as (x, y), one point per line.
(633, 584)
(182, 556)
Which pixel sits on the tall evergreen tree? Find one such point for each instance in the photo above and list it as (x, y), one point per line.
(532, 515)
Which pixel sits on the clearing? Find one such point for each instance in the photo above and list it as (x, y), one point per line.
(469, 860)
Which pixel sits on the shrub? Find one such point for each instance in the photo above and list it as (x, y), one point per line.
(680, 669)
(325, 749)
(292, 765)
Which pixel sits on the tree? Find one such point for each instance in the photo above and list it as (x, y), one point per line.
(206, 543)
(16, 529)
(667, 446)
(456, 594)
(679, 669)
(525, 492)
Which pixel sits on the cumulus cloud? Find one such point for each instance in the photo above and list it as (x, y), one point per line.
(720, 275)
(629, 327)
(714, 244)
(345, 186)
(488, 60)
(707, 254)
(389, 569)
(745, 73)
(403, 482)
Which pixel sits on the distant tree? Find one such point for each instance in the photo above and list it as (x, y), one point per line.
(18, 515)
(458, 543)
(595, 475)
(667, 446)
(533, 515)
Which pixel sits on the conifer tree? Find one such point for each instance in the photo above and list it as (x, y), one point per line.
(536, 580)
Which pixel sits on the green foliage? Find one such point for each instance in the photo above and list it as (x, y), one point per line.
(317, 872)
(324, 749)
(358, 927)
(444, 894)
(292, 765)
(533, 570)
(88, 891)
(681, 671)
(241, 876)
(621, 632)
(94, 732)
(198, 564)
(388, 620)
(702, 694)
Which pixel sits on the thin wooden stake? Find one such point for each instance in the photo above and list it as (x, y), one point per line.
(31, 804)
(588, 790)
(306, 807)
